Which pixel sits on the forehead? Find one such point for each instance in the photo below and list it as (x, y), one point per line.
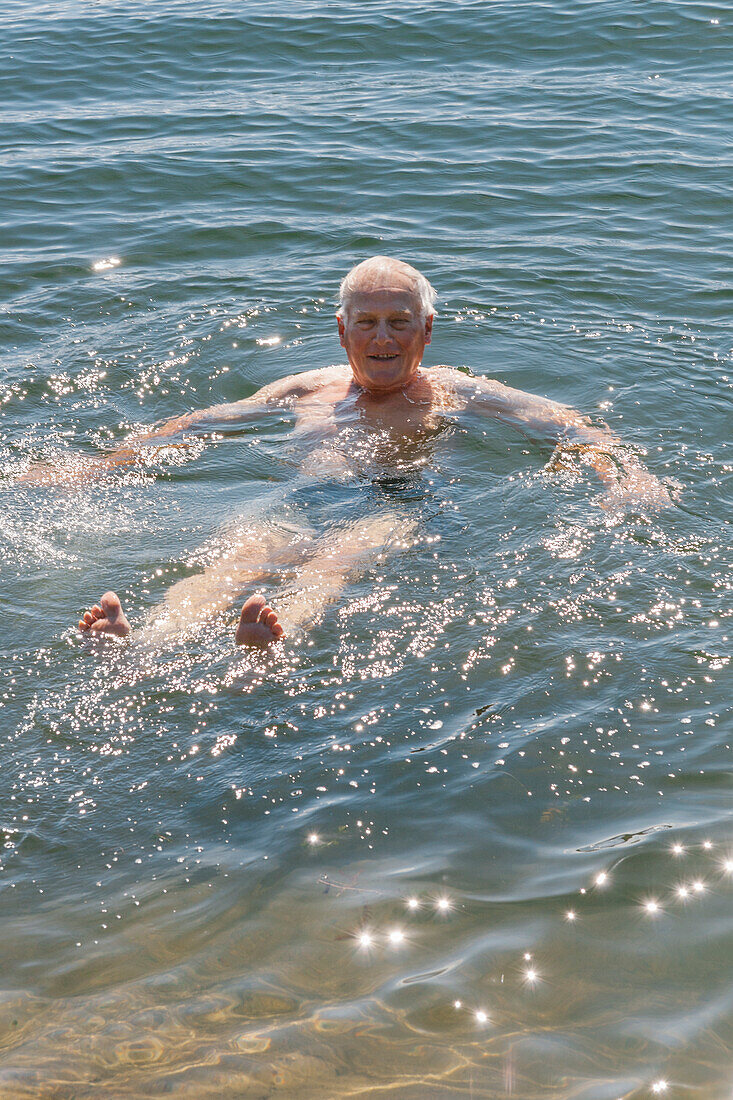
(389, 298)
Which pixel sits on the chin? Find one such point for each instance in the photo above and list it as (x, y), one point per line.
(384, 380)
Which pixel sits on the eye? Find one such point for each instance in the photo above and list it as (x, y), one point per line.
(364, 322)
(399, 323)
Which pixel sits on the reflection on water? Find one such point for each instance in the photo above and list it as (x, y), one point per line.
(467, 833)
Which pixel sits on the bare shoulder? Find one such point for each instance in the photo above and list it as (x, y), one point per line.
(461, 381)
(299, 385)
(479, 387)
(442, 373)
(459, 384)
(489, 397)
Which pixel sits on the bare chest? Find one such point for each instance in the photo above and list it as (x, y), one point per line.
(340, 405)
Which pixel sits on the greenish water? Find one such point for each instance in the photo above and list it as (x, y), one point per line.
(531, 697)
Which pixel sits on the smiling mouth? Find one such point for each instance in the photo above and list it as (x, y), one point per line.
(384, 358)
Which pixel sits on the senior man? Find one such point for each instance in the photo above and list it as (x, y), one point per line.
(385, 321)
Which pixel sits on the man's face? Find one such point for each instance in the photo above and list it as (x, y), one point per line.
(385, 336)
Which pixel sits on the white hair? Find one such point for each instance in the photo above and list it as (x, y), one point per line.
(383, 266)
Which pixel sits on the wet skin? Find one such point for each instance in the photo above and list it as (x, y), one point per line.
(384, 386)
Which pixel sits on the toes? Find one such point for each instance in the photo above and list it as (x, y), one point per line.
(252, 608)
(110, 602)
(258, 625)
(107, 618)
(90, 617)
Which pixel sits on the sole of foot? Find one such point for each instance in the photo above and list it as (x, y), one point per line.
(258, 625)
(106, 617)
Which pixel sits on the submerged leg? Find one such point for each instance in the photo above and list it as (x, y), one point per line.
(321, 579)
(251, 554)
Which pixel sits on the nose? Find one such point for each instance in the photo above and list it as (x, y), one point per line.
(382, 335)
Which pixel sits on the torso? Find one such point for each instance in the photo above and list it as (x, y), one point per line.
(349, 431)
(335, 401)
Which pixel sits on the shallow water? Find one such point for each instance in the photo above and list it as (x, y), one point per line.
(472, 837)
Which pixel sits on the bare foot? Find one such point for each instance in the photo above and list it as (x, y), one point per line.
(107, 619)
(258, 624)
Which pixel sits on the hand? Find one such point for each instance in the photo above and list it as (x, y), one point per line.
(629, 485)
(41, 473)
(636, 489)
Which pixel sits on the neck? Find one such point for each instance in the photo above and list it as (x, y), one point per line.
(387, 391)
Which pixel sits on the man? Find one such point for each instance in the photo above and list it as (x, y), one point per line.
(385, 321)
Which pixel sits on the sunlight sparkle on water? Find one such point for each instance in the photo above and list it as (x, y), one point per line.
(106, 264)
(416, 550)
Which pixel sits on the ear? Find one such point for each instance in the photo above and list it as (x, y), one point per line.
(428, 328)
(342, 329)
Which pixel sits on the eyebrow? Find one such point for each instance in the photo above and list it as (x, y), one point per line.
(401, 313)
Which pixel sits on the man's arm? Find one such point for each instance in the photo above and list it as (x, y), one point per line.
(276, 396)
(620, 469)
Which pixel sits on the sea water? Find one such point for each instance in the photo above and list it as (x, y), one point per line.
(472, 834)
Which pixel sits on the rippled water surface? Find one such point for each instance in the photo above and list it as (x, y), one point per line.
(472, 835)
